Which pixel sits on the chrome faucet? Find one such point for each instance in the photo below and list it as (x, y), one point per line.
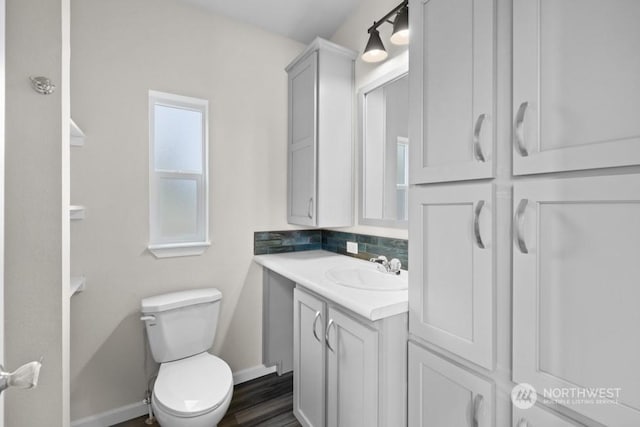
(387, 266)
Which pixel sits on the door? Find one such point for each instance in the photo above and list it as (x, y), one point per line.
(451, 298)
(452, 93)
(442, 394)
(576, 92)
(352, 372)
(303, 92)
(2, 118)
(575, 293)
(538, 416)
(308, 359)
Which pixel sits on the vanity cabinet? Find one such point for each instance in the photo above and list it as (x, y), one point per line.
(576, 92)
(319, 148)
(575, 290)
(451, 290)
(442, 394)
(348, 371)
(452, 96)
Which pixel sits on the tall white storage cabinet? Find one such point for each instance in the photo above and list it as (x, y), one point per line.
(521, 277)
(320, 143)
(452, 89)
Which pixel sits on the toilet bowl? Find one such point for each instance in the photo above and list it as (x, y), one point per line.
(192, 392)
(193, 388)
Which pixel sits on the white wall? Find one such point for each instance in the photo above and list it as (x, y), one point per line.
(353, 34)
(36, 208)
(120, 50)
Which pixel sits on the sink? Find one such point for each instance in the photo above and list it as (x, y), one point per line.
(367, 278)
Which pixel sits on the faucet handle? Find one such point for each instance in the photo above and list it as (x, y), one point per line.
(395, 265)
(381, 259)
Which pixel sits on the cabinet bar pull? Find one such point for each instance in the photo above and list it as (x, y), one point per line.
(519, 232)
(477, 403)
(310, 208)
(522, 423)
(477, 148)
(315, 320)
(326, 335)
(518, 133)
(476, 224)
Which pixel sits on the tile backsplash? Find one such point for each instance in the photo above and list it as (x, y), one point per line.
(272, 242)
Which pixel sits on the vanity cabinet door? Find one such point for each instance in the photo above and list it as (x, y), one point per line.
(442, 394)
(301, 151)
(576, 264)
(451, 297)
(576, 91)
(352, 372)
(452, 94)
(308, 359)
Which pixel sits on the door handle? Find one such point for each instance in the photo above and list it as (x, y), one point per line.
(310, 208)
(476, 224)
(519, 226)
(477, 403)
(326, 335)
(477, 148)
(26, 376)
(518, 132)
(315, 320)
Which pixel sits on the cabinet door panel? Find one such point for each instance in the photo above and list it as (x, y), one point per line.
(308, 359)
(442, 394)
(352, 373)
(451, 283)
(302, 142)
(576, 290)
(577, 67)
(538, 416)
(452, 90)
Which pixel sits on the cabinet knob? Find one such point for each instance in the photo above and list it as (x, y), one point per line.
(477, 403)
(326, 335)
(310, 208)
(476, 224)
(519, 221)
(522, 423)
(315, 320)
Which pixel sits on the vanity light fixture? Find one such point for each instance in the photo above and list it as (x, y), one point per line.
(375, 51)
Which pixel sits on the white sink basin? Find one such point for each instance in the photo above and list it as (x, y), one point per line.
(367, 278)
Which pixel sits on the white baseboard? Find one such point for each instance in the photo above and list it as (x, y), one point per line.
(135, 410)
(114, 416)
(252, 373)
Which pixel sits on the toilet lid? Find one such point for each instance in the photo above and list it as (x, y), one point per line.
(193, 386)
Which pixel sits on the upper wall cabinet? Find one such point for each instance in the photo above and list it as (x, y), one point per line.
(452, 100)
(320, 147)
(576, 91)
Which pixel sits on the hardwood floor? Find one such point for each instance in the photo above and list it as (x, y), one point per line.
(263, 402)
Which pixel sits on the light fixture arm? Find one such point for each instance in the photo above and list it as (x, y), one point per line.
(386, 18)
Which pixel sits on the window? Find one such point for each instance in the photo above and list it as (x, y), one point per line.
(178, 199)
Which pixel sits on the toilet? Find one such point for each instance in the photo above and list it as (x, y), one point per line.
(193, 388)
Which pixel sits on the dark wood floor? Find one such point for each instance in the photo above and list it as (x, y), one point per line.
(264, 402)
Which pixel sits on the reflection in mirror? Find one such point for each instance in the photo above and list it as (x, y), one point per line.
(384, 152)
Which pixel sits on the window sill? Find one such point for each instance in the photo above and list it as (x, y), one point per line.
(170, 250)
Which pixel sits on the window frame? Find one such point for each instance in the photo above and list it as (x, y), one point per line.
(163, 246)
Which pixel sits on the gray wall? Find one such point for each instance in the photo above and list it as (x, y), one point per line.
(120, 50)
(36, 209)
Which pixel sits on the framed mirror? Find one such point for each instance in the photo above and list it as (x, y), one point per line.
(383, 110)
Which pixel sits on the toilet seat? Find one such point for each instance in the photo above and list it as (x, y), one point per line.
(193, 386)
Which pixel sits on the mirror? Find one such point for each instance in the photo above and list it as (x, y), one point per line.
(384, 151)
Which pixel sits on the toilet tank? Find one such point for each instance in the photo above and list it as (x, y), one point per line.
(181, 324)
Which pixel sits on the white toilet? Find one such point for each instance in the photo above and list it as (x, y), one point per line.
(193, 388)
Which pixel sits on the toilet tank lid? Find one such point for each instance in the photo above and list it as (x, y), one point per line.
(175, 300)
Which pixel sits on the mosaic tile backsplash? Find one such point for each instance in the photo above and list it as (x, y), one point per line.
(273, 242)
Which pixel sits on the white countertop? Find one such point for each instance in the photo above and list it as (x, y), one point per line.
(308, 269)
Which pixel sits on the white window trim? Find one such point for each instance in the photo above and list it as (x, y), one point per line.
(188, 248)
